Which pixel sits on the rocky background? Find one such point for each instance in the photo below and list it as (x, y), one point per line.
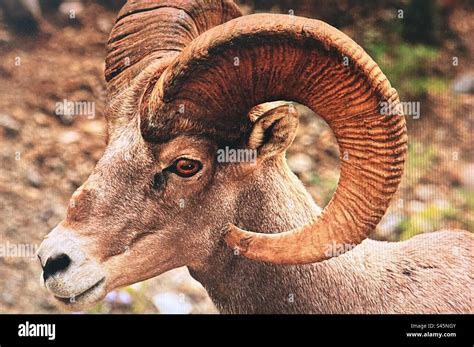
(51, 50)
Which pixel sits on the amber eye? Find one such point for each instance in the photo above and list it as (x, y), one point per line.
(186, 167)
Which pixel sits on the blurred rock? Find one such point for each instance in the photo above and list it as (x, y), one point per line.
(8, 298)
(113, 4)
(172, 303)
(41, 118)
(306, 140)
(71, 9)
(104, 24)
(66, 119)
(415, 206)
(388, 225)
(47, 305)
(49, 5)
(442, 204)
(34, 178)
(94, 127)
(5, 38)
(10, 125)
(425, 192)
(22, 15)
(466, 176)
(464, 84)
(300, 162)
(46, 214)
(69, 137)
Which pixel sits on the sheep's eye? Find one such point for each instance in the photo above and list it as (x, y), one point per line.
(186, 167)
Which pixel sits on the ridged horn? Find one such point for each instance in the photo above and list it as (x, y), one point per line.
(250, 60)
(147, 35)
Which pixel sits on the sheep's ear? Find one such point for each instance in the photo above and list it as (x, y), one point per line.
(274, 127)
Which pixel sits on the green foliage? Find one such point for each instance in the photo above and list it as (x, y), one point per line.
(465, 214)
(420, 160)
(326, 185)
(468, 196)
(422, 21)
(431, 218)
(407, 67)
(315, 179)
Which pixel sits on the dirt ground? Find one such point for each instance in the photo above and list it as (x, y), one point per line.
(45, 157)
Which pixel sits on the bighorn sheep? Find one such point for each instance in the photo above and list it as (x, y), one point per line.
(186, 78)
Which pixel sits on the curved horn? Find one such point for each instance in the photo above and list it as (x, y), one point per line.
(261, 58)
(147, 35)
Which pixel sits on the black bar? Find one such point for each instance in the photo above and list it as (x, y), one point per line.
(158, 330)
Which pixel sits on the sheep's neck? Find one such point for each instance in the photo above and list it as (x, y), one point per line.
(372, 278)
(236, 284)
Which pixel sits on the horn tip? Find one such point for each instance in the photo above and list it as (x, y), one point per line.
(237, 239)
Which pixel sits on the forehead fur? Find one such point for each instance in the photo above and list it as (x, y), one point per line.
(221, 129)
(194, 147)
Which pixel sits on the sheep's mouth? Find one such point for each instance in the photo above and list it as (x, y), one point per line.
(90, 295)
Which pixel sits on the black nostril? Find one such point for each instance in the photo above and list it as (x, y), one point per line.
(56, 264)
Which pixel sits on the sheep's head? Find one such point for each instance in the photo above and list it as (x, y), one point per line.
(166, 192)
